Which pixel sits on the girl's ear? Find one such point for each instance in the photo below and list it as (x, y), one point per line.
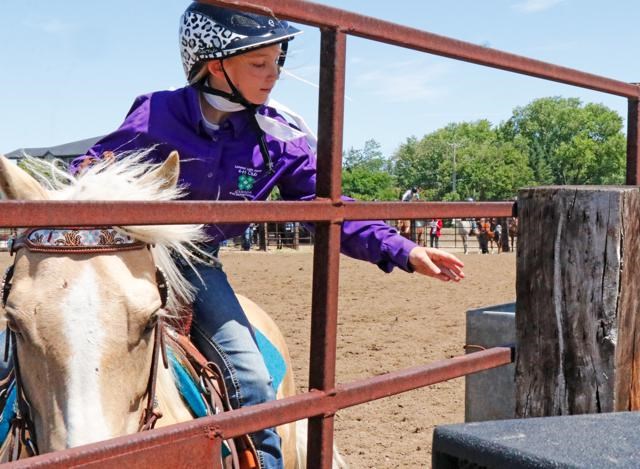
(214, 67)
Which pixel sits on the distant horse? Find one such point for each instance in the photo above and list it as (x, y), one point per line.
(419, 227)
(404, 228)
(87, 307)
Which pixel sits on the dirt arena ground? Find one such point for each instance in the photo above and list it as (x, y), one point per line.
(386, 322)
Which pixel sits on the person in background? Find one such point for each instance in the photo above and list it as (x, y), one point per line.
(247, 238)
(407, 227)
(435, 230)
(411, 194)
(464, 230)
(484, 229)
(497, 235)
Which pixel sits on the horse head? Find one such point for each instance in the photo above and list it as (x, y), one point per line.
(83, 304)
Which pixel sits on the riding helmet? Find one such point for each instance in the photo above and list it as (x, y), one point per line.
(212, 32)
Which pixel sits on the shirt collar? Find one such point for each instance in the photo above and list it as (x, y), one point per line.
(236, 121)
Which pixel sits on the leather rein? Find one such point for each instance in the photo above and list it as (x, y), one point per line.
(76, 241)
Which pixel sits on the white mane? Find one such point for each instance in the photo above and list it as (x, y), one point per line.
(126, 179)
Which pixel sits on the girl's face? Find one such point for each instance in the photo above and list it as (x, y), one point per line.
(254, 73)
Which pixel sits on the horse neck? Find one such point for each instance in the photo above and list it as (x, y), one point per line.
(171, 404)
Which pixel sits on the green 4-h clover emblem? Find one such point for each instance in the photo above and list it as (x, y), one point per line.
(245, 183)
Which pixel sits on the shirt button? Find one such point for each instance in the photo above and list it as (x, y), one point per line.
(214, 138)
(210, 175)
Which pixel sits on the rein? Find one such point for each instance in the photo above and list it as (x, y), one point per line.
(76, 241)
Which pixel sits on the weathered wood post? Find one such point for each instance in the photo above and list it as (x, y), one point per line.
(578, 300)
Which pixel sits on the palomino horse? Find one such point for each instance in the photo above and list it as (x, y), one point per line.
(85, 321)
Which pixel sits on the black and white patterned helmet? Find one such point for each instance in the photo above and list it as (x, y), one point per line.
(211, 32)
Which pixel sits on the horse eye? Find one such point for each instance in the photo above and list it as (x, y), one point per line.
(12, 324)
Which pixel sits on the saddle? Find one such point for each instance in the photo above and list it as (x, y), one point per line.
(200, 383)
(202, 386)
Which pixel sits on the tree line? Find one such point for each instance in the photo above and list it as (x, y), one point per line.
(551, 140)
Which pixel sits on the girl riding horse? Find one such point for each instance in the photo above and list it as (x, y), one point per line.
(235, 144)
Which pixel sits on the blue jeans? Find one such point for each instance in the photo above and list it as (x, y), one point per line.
(247, 237)
(223, 334)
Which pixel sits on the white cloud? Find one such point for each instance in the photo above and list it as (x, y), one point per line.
(535, 6)
(403, 81)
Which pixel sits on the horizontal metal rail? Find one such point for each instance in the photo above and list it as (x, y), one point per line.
(375, 29)
(161, 447)
(15, 214)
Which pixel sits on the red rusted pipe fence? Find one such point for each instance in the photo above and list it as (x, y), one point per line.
(195, 443)
(14, 214)
(326, 253)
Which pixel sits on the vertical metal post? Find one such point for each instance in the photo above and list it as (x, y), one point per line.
(264, 237)
(296, 236)
(326, 257)
(633, 143)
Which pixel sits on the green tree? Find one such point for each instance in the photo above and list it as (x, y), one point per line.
(366, 174)
(568, 142)
(495, 172)
(463, 160)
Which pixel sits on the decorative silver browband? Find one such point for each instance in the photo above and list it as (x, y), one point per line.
(75, 240)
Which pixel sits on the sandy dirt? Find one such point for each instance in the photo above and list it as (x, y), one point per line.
(386, 322)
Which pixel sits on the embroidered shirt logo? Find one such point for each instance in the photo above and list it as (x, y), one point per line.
(246, 182)
(247, 178)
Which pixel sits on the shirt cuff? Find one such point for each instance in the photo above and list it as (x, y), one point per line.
(396, 251)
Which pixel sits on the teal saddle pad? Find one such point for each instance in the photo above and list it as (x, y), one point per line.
(190, 390)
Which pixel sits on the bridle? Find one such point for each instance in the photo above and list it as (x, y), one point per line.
(90, 241)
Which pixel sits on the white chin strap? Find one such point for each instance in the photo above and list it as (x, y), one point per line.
(222, 104)
(269, 125)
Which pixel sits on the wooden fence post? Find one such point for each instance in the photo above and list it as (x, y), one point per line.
(578, 300)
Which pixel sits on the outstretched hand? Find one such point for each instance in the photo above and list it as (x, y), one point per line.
(436, 263)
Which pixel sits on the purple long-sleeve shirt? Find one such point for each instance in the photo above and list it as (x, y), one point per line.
(226, 164)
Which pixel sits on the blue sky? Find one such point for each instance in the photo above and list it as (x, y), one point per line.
(70, 69)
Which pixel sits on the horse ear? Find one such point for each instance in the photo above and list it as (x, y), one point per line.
(16, 184)
(167, 174)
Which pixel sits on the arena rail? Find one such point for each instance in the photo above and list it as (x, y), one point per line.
(165, 447)
(201, 438)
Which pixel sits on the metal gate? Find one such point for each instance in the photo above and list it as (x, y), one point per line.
(194, 443)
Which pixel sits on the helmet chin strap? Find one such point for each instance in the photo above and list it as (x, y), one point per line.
(222, 104)
(236, 97)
